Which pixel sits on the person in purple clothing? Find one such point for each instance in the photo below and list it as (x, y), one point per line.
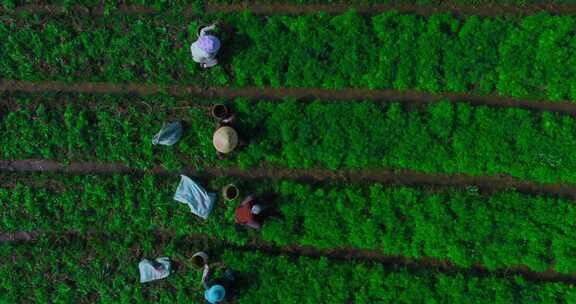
(205, 48)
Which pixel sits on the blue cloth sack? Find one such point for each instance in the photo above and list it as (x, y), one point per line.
(169, 134)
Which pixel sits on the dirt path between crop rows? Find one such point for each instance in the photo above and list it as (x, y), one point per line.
(348, 254)
(565, 107)
(20, 236)
(95, 10)
(484, 184)
(189, 244)
(489, 9)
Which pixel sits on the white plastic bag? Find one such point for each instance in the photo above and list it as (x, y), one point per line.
(152, 271)
(191, 194)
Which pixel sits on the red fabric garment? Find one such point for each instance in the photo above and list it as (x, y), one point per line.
(244, 214)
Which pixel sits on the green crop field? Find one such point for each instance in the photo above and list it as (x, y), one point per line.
(521, 57)
(421, 152)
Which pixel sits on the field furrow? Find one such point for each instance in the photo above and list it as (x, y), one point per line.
(487, 184)
(166, 238)
(267, 93)
(478, 8)
(487, 8)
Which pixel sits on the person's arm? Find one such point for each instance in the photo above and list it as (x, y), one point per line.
(207, 29)
(229, 120)
(254, 225)
(205, 276)
(247, 200)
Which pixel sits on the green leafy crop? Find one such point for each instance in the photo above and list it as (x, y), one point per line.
(532, 56)
(438, 138)
(105, 271)
(498, 231)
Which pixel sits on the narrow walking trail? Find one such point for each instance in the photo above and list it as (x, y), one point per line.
(487, 9)
(565, 107)
(214, 7)
(486, 184)
(187, 245)
(20, 236)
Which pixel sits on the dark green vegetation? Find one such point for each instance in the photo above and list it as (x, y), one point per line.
(91, 231)
(443, 137)
(108, 131)
(436, 54)
(115, 49)
(106, 272)
(528, 57)
(110, 6)
(466, 228)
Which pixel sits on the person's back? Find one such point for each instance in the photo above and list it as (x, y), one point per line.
(218, 290)
(245, 213)
(205, 49)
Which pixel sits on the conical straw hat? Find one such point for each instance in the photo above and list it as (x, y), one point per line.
(225, 139)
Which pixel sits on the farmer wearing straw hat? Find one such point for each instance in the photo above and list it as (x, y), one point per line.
(225, 140)
(205, 48)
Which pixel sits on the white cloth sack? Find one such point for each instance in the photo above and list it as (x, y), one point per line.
(149, 273)
(191, 194)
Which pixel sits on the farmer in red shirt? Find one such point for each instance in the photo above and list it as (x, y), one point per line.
(246, 212)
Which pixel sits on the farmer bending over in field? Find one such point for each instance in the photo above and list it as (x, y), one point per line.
(247, 211)
(204, 49)
(219, 290)
(225, 138)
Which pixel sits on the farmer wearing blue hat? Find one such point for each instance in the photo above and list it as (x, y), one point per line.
(219, 290)
(205, 48)
(215, 294)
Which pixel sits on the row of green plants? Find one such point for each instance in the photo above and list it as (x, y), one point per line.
(106, 272)
(106, 128)
(119, 48)
(464, 227)
(441, 53)
(530, 57)
(445, 137)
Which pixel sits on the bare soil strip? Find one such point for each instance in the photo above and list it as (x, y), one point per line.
(95, 10)
(20, 236)
(348, 254)
(484, 184)
(215, 246)
(565, 107)
(488, 9)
